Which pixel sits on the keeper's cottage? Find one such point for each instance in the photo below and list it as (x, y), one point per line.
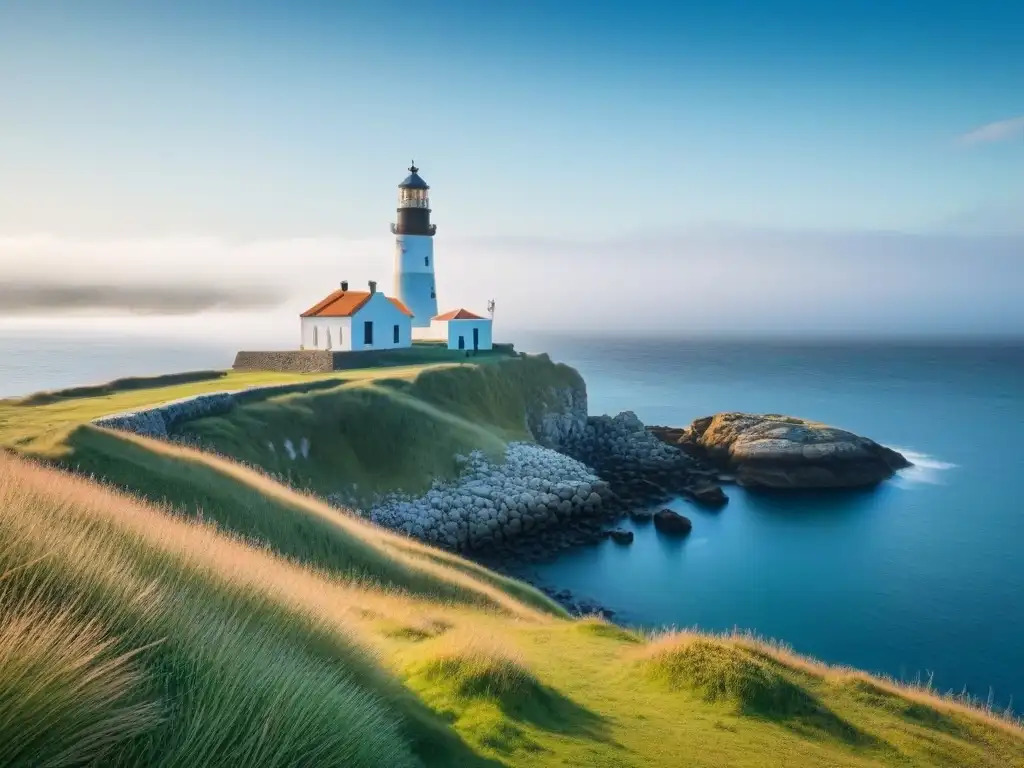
(351, 321)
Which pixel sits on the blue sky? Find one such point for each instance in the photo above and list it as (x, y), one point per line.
(557, 126)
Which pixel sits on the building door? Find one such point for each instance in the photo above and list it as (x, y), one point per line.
(368, 333)
(476, 339)
(462, 342)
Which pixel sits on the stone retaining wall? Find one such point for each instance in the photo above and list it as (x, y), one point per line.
(295, 361)
(325, 361)
(160, 421)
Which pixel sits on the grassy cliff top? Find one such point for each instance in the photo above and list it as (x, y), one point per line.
(39, 423)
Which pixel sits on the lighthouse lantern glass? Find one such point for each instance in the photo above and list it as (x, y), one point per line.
(413, 198)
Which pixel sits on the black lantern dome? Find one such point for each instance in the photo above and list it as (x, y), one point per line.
(413, 206)
(413, 180)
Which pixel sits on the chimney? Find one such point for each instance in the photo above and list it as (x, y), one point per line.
(344, 285)
(373, 287)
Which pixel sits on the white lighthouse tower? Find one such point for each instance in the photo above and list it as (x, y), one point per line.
(414, 250)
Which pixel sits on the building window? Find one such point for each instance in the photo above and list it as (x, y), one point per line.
(368, 332)
(433, 294)
(316, 341)
(426, 261)
(396, 334)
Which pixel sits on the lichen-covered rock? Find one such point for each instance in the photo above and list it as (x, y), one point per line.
(776, 451)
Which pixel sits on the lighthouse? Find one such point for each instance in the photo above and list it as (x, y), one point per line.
(414, 249)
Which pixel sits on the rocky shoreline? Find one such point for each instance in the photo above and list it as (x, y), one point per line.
(584, 474)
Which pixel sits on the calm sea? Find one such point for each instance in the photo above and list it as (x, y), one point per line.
(922, 576)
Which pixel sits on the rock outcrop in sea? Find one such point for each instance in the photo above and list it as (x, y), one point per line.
(774, 451)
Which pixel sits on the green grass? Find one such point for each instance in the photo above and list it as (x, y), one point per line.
(377, 434)
(39, 424)
(216, 617)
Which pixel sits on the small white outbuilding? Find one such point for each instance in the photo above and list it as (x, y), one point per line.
(463, 330)
(350, 321)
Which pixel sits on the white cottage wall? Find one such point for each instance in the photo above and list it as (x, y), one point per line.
(438, 331)
(315, 333)
(384, 316)
(464, 329)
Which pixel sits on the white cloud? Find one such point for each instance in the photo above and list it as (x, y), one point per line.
(1001, 130)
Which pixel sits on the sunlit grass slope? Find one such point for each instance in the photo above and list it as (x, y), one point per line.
(38, 424)
(137, 635)
(385, 433)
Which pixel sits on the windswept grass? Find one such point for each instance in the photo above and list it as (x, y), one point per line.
(252, 660)
(296, 525)
(473, 665)
(67, 696)
(724, 672)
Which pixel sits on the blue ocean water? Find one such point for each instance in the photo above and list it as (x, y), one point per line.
(920, 576)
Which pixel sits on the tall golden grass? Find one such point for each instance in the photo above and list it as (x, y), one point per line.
(239, 657)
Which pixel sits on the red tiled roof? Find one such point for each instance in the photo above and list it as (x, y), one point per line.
(347, 303)
(401, 307)
(458, 314)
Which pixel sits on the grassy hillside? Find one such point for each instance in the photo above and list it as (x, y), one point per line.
(138, 635)
(205, 614)
(40, 424)
(387, 432)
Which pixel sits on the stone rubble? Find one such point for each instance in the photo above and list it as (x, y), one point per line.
(533, 489)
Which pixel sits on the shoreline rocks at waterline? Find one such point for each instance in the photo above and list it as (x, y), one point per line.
(784, 452)
(620, 536)
(672, 523)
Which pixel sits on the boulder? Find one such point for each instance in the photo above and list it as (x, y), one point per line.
(620, 536)
(672, 523)
(774, 451)
(708, 494)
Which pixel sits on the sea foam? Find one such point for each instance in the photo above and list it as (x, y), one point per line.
(924, 469)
